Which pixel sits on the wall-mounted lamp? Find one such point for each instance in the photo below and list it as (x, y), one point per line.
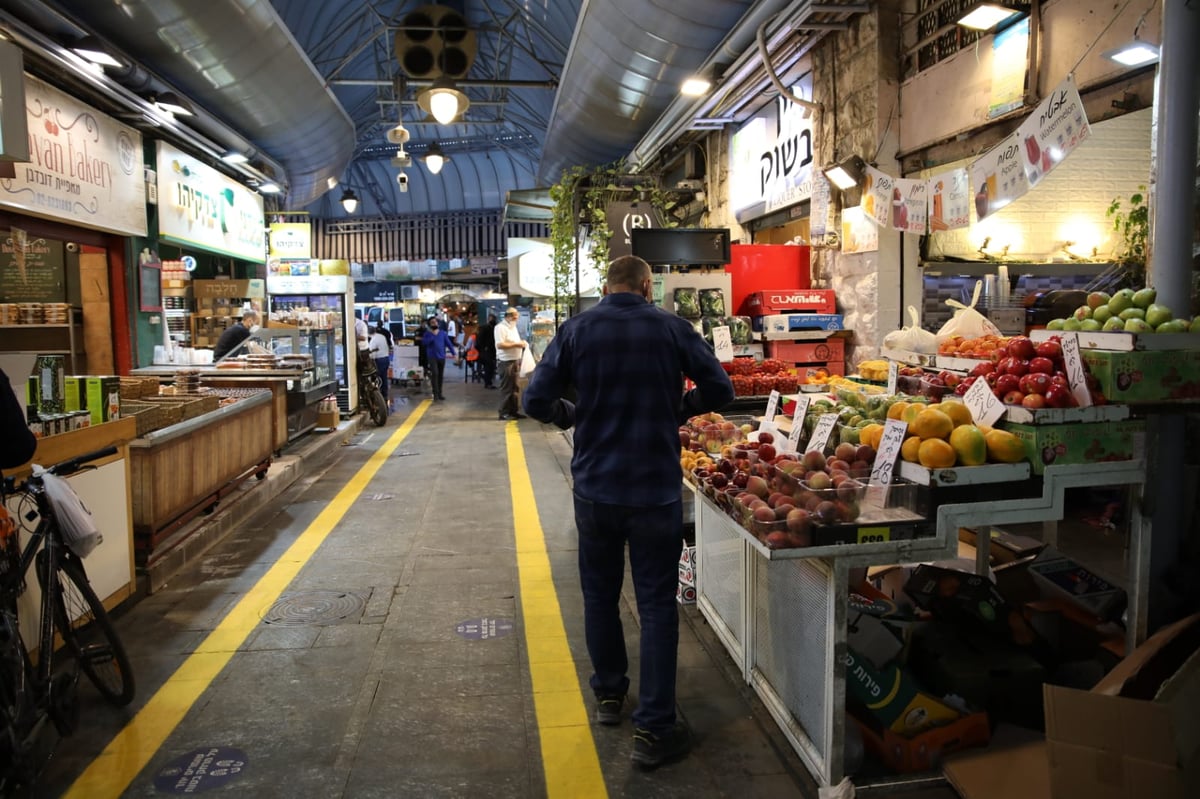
(172, 103)
(443, 100)
(1135, 53)
(269, 187)
(91, 49)
(234, 157)
(695, 85)
(848, 173)
(986, 16)
(435, 159)
(349, 201)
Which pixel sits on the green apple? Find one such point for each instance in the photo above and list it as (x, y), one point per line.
(1120, 301)
(1090, 325)
(1114, 323)
(1102, 314)
(1071, 324)
(1057, 324)
(1194, 327)
(1137, 326)
(1144, 298)
(1097, 299)
(1157, 314)
(1082, 312)
(1132, 313)
(1172, 326)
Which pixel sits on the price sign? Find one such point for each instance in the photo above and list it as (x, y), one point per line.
(874, 535)
(889, 450)
(1076, 376)
(772, 404)
(984, 406)
(722, 343)
(893, 376)
(820, 436)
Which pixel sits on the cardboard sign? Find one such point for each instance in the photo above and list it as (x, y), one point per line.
(1076, 376)
(893, 376)
(772, 404)
(889, 450)
(723, 344)
(821, 433)
(798, 414)
(985, 406)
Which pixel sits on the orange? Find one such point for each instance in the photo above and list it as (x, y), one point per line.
(909, 450)
(958, 412)
(969, 445)
(932, 424)
(934, 453)
(871, 434)
(1004, 447)
(910, 413)
(897, 409)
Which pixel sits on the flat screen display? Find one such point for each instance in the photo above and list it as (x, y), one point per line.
(683, 246)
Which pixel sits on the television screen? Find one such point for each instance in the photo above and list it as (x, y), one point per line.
(684, 246)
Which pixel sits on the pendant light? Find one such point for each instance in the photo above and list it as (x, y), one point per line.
(349, 201)
(443, 100)
(435, 159)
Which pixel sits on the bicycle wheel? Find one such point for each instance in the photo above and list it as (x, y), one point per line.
(88, 632)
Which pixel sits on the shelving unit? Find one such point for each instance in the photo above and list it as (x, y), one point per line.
(46, 339)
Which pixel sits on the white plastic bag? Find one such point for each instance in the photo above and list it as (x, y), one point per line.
(967, 322)
(79, 529)
(913, 338)
(527, 363)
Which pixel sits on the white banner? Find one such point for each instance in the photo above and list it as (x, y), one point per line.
(910, 205)
(949, 200)
(1055, 128)
(198, 205)
(878, 193)
(84, 168)
(999, 177)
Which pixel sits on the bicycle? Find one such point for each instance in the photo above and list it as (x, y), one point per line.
(370, 390)
(34, 693)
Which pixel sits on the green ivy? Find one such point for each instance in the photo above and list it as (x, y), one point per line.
(1133, 228)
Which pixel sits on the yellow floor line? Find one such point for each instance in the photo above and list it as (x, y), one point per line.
(569, 758)
(128, 753)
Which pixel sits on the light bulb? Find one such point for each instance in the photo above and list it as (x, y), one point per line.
(444, 106)
(434, 162)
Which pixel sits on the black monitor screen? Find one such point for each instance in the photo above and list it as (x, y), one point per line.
(685, 246)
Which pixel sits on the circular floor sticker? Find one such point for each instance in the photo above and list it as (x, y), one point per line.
(200, 769)
(483, 629)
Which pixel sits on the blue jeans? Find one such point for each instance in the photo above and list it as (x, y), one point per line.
(655, 537)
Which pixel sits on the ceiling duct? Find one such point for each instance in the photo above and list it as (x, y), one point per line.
(435, 42)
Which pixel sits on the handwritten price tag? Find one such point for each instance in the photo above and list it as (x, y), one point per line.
(984, 406)
(722, 344)
(820, 436)
(772, 404)
(793, 439)
(889, 450)
(1076, 376)
(893, 376)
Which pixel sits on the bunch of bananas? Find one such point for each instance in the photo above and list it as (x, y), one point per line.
(876, 370)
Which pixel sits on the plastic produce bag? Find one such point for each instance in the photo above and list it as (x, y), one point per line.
(740, 331)
(687, 303)
(913, 338)
(527, 364)
(967, 322)
(712, 302)
(74, 519)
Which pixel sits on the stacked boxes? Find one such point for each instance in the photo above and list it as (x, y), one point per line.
(103, 398)
(790, 322)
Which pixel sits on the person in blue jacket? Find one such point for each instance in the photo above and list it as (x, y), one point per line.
(625, 360)
(436, 344)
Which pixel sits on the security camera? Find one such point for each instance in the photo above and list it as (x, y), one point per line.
(402, 179)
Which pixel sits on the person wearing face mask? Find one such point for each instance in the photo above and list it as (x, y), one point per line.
(436, 344)
(235, 334)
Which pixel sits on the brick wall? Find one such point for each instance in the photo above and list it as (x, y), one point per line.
(1069, 204)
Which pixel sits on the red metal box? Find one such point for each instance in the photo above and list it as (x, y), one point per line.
(777, 301)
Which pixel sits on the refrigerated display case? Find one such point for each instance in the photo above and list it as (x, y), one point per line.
(321, 301)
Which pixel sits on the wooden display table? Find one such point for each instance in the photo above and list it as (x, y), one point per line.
(185, 469)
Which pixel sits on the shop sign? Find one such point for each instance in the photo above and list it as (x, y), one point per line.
(999, 177)
(308, 284)
(367, 293)
(290, 240)
(31, 268)
(84, 168)
(484, 265)
(771, 158)
(1009, 51)
(949, 200)
(1055, 128)
(878, 193)
(910, 204)
(622, 219)
(199, 206)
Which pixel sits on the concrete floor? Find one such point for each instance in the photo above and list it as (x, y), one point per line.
(357, 681)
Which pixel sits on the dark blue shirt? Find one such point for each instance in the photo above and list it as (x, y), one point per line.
(626, 360)
(437, 344)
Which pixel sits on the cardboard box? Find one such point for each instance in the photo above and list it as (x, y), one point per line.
(777, 301)
(1073, 443)
(1004, 547)
(924, 752)
(75, 393)
(1013, 766)
(892, 697)
(104, 398)
(1146, 375)
(1057, 575)
(777, 326)
(832, 349)
(327, 419)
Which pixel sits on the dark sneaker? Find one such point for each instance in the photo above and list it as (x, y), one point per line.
(519, 416)
(651, 751)
(608, 710)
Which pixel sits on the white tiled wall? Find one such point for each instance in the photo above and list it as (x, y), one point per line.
(1069, 204)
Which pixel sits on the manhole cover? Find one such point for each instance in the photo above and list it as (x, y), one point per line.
(314, 607)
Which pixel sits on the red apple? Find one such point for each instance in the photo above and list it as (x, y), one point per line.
(1036, 383)
(766, 451)
(987, 367)
(1013, 398)
(1059, 396)
(766, 437)
(1021, 348)
(1006, 383)
(1050, 349)
(1034, 401)
(1041, 365)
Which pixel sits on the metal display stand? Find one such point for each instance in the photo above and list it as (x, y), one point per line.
(781, 614)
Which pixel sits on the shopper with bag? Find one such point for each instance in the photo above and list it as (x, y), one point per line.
(509, 351)
(626, 360)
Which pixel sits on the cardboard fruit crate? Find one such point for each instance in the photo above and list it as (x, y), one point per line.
(1069, 444)
(1146, 375)
(831, 349)
(776, 301)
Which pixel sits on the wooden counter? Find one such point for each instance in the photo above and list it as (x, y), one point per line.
(182, 470)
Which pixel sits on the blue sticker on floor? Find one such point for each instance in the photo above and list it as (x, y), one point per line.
(200, 770)
(483, 629)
